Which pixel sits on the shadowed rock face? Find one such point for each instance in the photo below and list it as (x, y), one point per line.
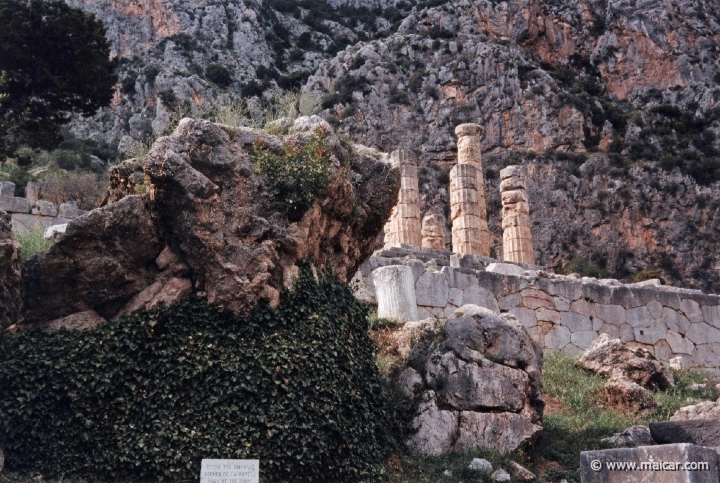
(207, 225)
(10, 284)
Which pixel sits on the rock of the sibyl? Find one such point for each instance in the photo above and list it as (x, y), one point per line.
(467, 195)
(404, 223)
(517, 239)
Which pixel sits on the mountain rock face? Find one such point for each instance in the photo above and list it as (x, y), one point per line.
(612, 106)
(209, 224)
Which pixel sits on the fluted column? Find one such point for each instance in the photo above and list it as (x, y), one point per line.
(467, 195)
(433, 231)
(517, 238)
(404, 223)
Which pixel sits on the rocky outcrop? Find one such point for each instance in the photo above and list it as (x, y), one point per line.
(207, 226)
(104, 258)
(629, 397)
(481, 385)
(10, 282)
(703, 410)
(126, 178)
(216, 213)
(631, 438)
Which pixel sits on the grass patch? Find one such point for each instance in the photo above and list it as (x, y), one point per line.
(32, 242)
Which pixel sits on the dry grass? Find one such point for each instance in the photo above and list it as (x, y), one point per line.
(87, 189)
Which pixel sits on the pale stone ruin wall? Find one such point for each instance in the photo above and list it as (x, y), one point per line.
(404, 223)
(433, 231)
(31, 213)
(561, 312)
(467, 195)
(517, 238)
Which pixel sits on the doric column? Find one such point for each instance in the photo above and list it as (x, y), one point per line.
(467, 195)
(395, 290)
(433, 231)
(517, 239)
(404, 223)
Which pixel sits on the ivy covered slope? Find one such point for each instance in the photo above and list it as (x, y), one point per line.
(149, 397)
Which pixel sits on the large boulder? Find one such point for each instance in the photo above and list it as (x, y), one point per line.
(104, 258)
(481, 385)
(10, 284)
(612, 359)
(217, 212)
(703, 410)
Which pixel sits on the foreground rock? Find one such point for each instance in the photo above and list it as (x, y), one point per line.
(703, 410)
(631, 438)
(663, 460)
(10, 300)
(702, 432)
(206, 225)
(481, 385)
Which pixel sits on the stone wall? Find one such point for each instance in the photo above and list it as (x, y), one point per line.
(29, 214)
(562, 312)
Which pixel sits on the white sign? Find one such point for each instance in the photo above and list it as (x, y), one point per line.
(230, 471)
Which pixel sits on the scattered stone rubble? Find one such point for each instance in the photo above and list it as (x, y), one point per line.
(29, 213)
(480, 380)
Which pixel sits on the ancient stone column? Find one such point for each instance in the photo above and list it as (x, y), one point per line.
(433, 231)
(467, 195)
(404, 223)
(517, 239)
(395, 291)
(32, 191)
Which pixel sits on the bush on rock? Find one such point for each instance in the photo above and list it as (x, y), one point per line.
(149, 397)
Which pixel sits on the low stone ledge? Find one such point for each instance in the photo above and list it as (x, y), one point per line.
(14, 204)
(702, 432)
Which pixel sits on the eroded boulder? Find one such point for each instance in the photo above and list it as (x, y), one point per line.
(10, 281)
(481, 384)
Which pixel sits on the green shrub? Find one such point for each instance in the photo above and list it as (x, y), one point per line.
(583, 267)
(147, 398)
(218, 74)
(32, 242)
(296, 177)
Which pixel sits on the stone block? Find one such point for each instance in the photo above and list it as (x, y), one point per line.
(583, 338)
(626, 333)
(597, 293)
(455, 297)
(663, 351)
(702, 432)
(69, 209)
(702, 333)
(566, 289)
(558, 337)
(501, 432)
(436, 428)
(533, 299)
(32, 191)
(678, 343)
(54, 232)
(706, 355)
(459, 277)
(525, 316)
(575, 322)
(561, 304)
(711, 315)
(655, 308)
(548, 315)
(650, 335)
(418, 267)
(7, 189)
(480, 296)
(14, 205)
(668, 299)
(432, 289)
(509, 301)
(611, 330)
(691, 309)
(659, 464)
(505, 269)
(675, 321)
(639, 317)
(46, 208)
(583, 307)
(25, 222)
(395, 291)
(573, 349)
(597, 323)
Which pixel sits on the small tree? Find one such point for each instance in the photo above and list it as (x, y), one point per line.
(56, 61)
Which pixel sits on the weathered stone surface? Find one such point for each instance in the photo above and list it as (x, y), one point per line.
(69, 209)
(505, 269)
(629, 396)
(703, 410)
(404, 223)
(501, 432)
(432, 289)
(558, 337)
(481, 465)
(702, 432)
(101, 262)
(77, 321)
(10, 281)
(520, 473)
(436, 429)
(410, 382)
(54, 232)
(433, 231)
(45, 208)
(674, 453)
(165, 290)
(631, 438)
(611, 358)
(239, 246)
(501, 476)
(612, 314)
(395, 289)
(7, 189)
(32, 191)
(517, 238)
(14, 205)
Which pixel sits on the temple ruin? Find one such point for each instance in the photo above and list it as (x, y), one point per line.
(404, 223)
(517, 239)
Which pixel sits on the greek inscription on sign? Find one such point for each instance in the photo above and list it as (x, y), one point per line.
(230, 471)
